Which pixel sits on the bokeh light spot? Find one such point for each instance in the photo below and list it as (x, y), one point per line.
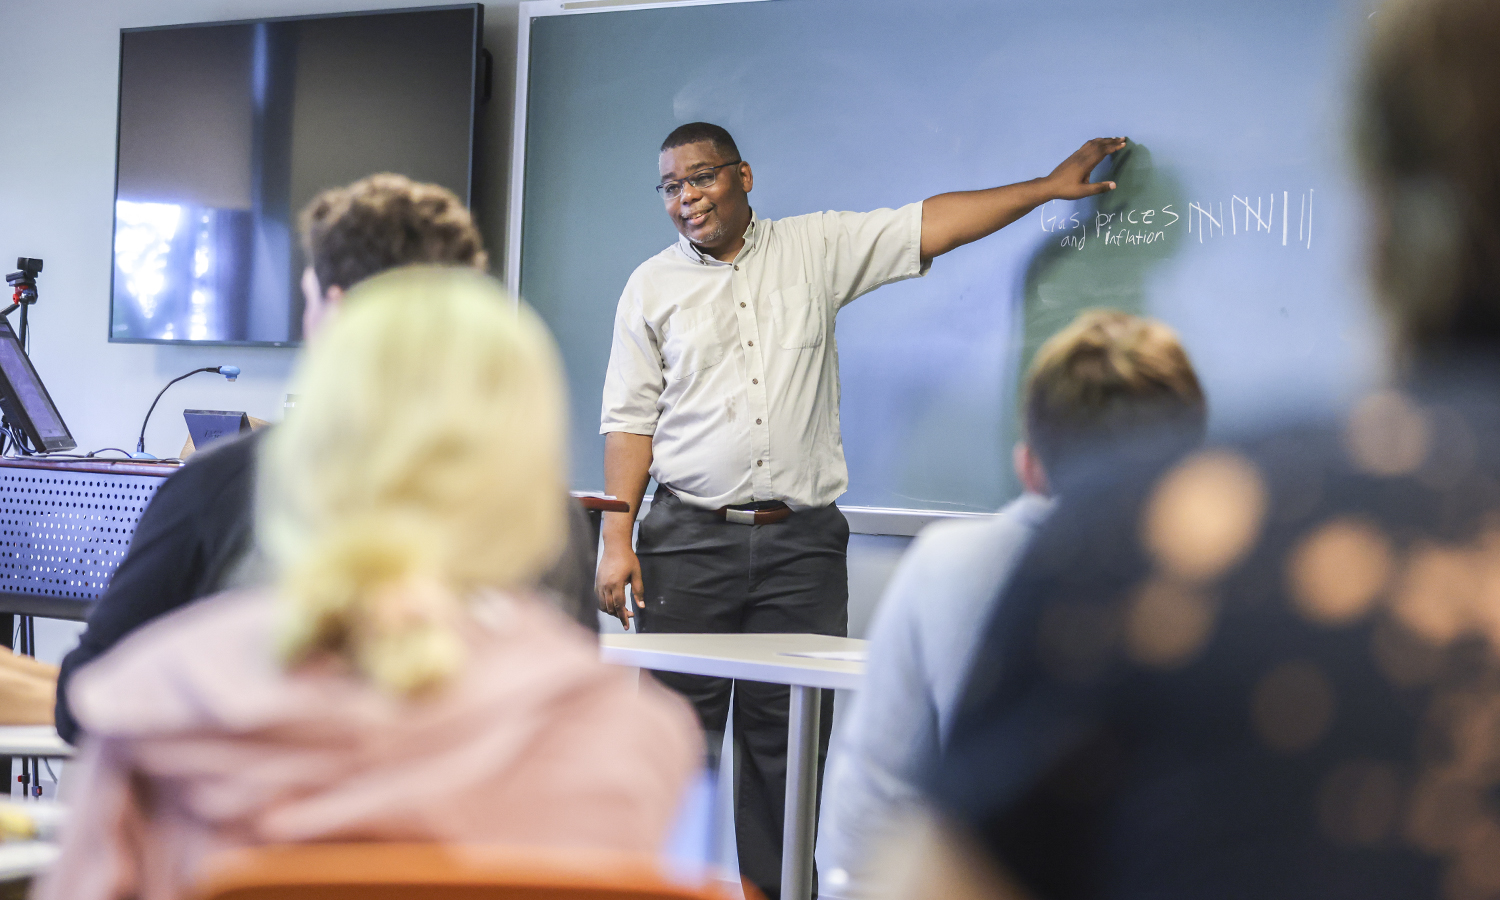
(1387, 434)
(1204, 515)
(1437, 593)
(1486, 611)
(1169, 623)
(1338, 570)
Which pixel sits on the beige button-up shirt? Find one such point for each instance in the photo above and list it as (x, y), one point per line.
(732, 367)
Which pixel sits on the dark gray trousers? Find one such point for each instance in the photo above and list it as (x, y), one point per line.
(703, 574)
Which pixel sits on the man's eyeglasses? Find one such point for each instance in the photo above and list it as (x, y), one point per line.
(700, 180)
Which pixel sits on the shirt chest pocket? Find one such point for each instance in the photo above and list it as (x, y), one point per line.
(799, 316)
(693, 341)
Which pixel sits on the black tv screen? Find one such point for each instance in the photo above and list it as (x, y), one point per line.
(227, 130)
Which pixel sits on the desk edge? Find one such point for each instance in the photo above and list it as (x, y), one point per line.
(668, 661)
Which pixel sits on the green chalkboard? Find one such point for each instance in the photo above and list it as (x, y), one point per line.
(1235, 220)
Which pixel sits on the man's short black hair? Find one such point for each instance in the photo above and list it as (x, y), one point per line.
(694, 132)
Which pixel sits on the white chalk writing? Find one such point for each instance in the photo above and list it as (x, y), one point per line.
(1127, 228)
(1253, 215)
(1249, 214)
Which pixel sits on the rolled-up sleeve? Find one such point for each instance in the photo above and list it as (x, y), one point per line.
(866, 250)
(634, 381)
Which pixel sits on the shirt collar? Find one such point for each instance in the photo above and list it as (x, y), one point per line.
(698, 256)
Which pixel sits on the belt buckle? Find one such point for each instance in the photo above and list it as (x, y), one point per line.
(740, 516)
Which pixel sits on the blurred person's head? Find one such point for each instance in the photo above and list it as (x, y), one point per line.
(378, 223)
(424, 465)
(1429, 123)
(1106, 378)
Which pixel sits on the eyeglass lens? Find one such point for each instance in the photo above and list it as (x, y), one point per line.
(699, 180)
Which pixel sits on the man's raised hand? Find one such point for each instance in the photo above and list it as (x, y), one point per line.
(1070, 181)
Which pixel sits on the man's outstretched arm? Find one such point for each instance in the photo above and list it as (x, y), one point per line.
(952, 220)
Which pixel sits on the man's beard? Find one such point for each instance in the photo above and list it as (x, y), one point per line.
(713, 237)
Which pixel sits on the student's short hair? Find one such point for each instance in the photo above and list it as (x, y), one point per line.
(383, 222)
(1109, 377)
(694, 132)
(1429, 121)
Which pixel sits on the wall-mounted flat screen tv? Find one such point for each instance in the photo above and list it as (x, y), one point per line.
(228, 129)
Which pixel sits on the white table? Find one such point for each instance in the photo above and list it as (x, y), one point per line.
(770, 658)
(30, 743)
(24, 859)
(33, 740)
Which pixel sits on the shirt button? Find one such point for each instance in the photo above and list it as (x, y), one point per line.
(760, 462)
(757, 421)
(755, 381)
(751, 343)
(742, 305)
(736, 268)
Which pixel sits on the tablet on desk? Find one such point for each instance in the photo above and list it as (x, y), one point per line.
(209, 425)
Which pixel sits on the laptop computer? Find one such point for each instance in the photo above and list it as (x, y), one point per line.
(25, 400)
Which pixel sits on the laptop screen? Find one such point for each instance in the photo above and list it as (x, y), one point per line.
(24, 399)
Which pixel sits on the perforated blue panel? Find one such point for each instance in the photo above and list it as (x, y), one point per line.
(63, 533)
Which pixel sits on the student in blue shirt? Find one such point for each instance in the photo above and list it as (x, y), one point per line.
(1107, 378)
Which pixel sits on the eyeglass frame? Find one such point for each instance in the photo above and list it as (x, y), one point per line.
(661, 189)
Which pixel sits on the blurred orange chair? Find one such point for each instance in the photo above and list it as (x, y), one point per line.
(377, 871)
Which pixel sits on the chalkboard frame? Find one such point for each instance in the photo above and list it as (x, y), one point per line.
(1256, 348)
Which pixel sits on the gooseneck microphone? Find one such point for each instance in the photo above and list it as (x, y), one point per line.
(229, 372)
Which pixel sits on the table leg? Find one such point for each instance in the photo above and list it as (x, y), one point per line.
(799, 829)
(596, 522)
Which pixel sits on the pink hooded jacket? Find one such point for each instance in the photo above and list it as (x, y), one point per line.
(198, 742)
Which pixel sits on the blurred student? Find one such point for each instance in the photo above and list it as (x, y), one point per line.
(1108, 378)
(195, 537)
(1272, 669)
(399, 681)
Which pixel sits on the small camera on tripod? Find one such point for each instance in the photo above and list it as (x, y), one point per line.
(23, 283)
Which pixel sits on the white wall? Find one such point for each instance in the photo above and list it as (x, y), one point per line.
(57, 163)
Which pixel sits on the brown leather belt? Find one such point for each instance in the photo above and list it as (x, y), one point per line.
(760, 514)
(765, 512)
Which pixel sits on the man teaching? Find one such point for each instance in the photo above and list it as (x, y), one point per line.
(723, 385)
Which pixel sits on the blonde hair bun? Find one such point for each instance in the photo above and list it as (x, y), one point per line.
(424, 463)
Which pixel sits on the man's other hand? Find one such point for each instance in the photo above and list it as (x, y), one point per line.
(618, 567)
(1070, 181)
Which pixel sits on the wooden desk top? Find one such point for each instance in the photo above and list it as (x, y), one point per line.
(600, 502)
(96, 465)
